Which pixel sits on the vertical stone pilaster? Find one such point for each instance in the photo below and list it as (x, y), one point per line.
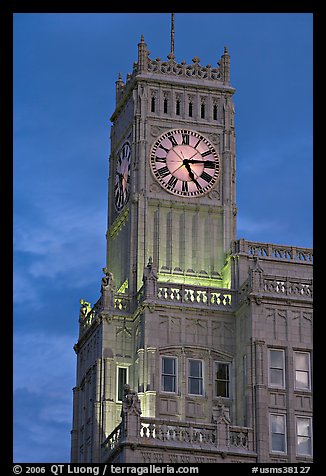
(261, 403)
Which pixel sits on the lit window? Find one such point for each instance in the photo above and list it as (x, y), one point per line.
(276, 368)
(302, 370)
(304, 438)
(195, 377)
(121, 382)
(278, 433)
(169, 376)
(222, 379)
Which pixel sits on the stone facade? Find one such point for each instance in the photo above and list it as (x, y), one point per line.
(214, 334)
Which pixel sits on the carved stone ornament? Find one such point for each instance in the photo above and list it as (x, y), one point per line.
(130, 402)
(85, 308)
(155, 131)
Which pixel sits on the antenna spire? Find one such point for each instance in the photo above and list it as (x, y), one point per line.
(172, 34)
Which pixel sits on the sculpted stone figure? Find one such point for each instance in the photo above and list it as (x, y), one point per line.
(130, 402)
(107, 289)
(85, 308)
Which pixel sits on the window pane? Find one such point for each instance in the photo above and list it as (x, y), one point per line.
(195, 386)
(303, 426)
(195, 368)
(304, 446)
(222, 371)
(301, 361)
(276, 377)
(277, 422)
(302, 380)
(168, 383)
(168, 365)
(278, 443)
(276, 358)
(222, 389)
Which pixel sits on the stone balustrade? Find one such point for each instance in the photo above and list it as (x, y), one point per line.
(188, 294)
(152, 431)
(272, 251)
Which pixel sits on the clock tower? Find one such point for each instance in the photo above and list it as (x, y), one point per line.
(172, 345)
(172, 173)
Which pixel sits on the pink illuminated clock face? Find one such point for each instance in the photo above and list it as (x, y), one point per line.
(185, 163)
(122, 177)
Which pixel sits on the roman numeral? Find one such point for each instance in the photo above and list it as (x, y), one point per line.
(185, 186)
(173, 141)
(205, 154)
(160, 159)
(185, 139)
(205, 176)
(199, 187)
(209, 164)
(164, 148)
(172, 181)
(163, 172)
(198, 142)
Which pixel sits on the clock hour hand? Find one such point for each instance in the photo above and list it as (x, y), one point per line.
(190, 172)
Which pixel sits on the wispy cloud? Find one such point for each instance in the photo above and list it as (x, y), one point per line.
(44, 373)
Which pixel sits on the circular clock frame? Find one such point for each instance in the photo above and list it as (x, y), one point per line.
(122, 177)
(185, 163)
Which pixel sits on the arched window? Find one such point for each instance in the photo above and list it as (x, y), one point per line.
(190, 109)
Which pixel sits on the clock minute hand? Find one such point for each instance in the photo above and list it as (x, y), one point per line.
(196, 161)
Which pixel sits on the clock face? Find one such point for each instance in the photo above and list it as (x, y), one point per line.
(185, 163)
(122, 177)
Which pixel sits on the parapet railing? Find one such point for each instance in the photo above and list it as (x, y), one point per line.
(270, 250)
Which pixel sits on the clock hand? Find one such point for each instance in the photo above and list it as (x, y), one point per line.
(190, 172)
(195, 161)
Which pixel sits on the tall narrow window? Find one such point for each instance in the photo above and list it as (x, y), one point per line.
(278, 433)
(190, 109)
(177, 107)
(222, 379)
(121, 382)
(304, 436)
(276, 368)
(202, 110)
(165, 105)
(195, 377)
(153, 104)
(215, 112)
(302, 370)
(169, 375)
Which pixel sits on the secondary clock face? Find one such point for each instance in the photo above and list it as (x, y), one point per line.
(122, 177)
(185, 163)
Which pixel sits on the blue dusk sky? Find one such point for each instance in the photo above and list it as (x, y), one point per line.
(65, 68)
